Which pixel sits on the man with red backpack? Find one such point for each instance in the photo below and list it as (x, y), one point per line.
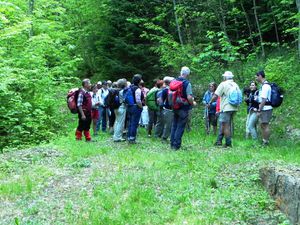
(84, 105)
(181, 100)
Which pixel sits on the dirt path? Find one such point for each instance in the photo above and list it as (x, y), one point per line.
(47, 203)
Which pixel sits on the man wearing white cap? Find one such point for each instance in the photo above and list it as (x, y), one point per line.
(227, 110)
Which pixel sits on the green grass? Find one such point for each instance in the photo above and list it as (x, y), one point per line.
(148, 183)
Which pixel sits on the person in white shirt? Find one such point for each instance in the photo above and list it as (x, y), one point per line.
(265, 109)
(95, 106)
(102, 120)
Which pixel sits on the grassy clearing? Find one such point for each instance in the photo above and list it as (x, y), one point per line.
(146, 183)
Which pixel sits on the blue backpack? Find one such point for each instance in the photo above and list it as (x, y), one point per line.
(129, 96)
(235, 96)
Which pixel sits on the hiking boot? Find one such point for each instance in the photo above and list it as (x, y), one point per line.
(131, 142)
(218, 143)
(120, 140)
(227, 146)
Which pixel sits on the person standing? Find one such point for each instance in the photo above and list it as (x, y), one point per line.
(227, 110)
(120, 112)
(252, 119)
(265, 109)
(84, 105)
(167, 112)
(103, 92)
(95, 106)
(210, 113)
(181, 114)
(135, 110)
(144, 117)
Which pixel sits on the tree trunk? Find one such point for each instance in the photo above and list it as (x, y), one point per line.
(276, 27)
(177, 24)
(298, 6)
(30, 12)
(259, 31)
(248, 25)
(223, 21)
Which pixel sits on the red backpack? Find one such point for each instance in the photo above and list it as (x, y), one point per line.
(72, 100)
(175, 95)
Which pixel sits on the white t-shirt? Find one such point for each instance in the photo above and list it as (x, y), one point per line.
(95, 99)
(102, 93)
(265, 92)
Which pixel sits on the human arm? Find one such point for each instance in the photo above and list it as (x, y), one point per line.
(79, 105)
(138, 97)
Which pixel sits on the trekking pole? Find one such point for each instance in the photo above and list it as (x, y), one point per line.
(207, 122)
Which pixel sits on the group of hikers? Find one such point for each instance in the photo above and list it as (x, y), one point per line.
(165, 109)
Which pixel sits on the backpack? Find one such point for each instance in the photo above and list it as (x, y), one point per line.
(151, 99)
(159, 99)
(129, 98)
(175, 95)
(112, 99)
(276, 95)
(72, 97)
(235, 97)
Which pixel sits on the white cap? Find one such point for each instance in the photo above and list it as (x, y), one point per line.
(99, 82)
(228, 74)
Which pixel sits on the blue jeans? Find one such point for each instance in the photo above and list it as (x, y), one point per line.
(179, 121)
(134, 115)
(252, 122)
(102, 118)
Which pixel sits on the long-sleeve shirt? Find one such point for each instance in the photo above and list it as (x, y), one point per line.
(206, 99)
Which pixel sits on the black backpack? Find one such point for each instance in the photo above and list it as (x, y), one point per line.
(112, 99)
(276, 95)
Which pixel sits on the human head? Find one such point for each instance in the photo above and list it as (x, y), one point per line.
(185, 71)
(212, 86)
(154, 82)
(260, 76)
(99, 84)
(114, 85)
(228, 75)
(109, 83)
(136, 79)
(104, 85)
(252, 86)
(167, 80)
(142, 84)
(94, 88)
(159, 83)
(86, 84)
(122, 83)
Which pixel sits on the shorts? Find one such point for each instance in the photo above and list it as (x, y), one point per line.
(212, 119)
(95, 114)
(226, 117)
(265, 116)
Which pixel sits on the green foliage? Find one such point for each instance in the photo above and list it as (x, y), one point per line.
(34, 74)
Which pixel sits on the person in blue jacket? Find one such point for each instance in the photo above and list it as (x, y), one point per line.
(210, 113)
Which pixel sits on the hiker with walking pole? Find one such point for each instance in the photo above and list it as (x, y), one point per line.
(210, 112)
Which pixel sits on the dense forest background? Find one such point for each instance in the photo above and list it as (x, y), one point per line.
(46, 47)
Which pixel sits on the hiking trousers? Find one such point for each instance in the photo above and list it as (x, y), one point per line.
(102, 120)
(159, 126)
(119, 122)
(252, 123)
(152, 120)
(84, 125)
(167, 121)
(134, 115)
(180, 119)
